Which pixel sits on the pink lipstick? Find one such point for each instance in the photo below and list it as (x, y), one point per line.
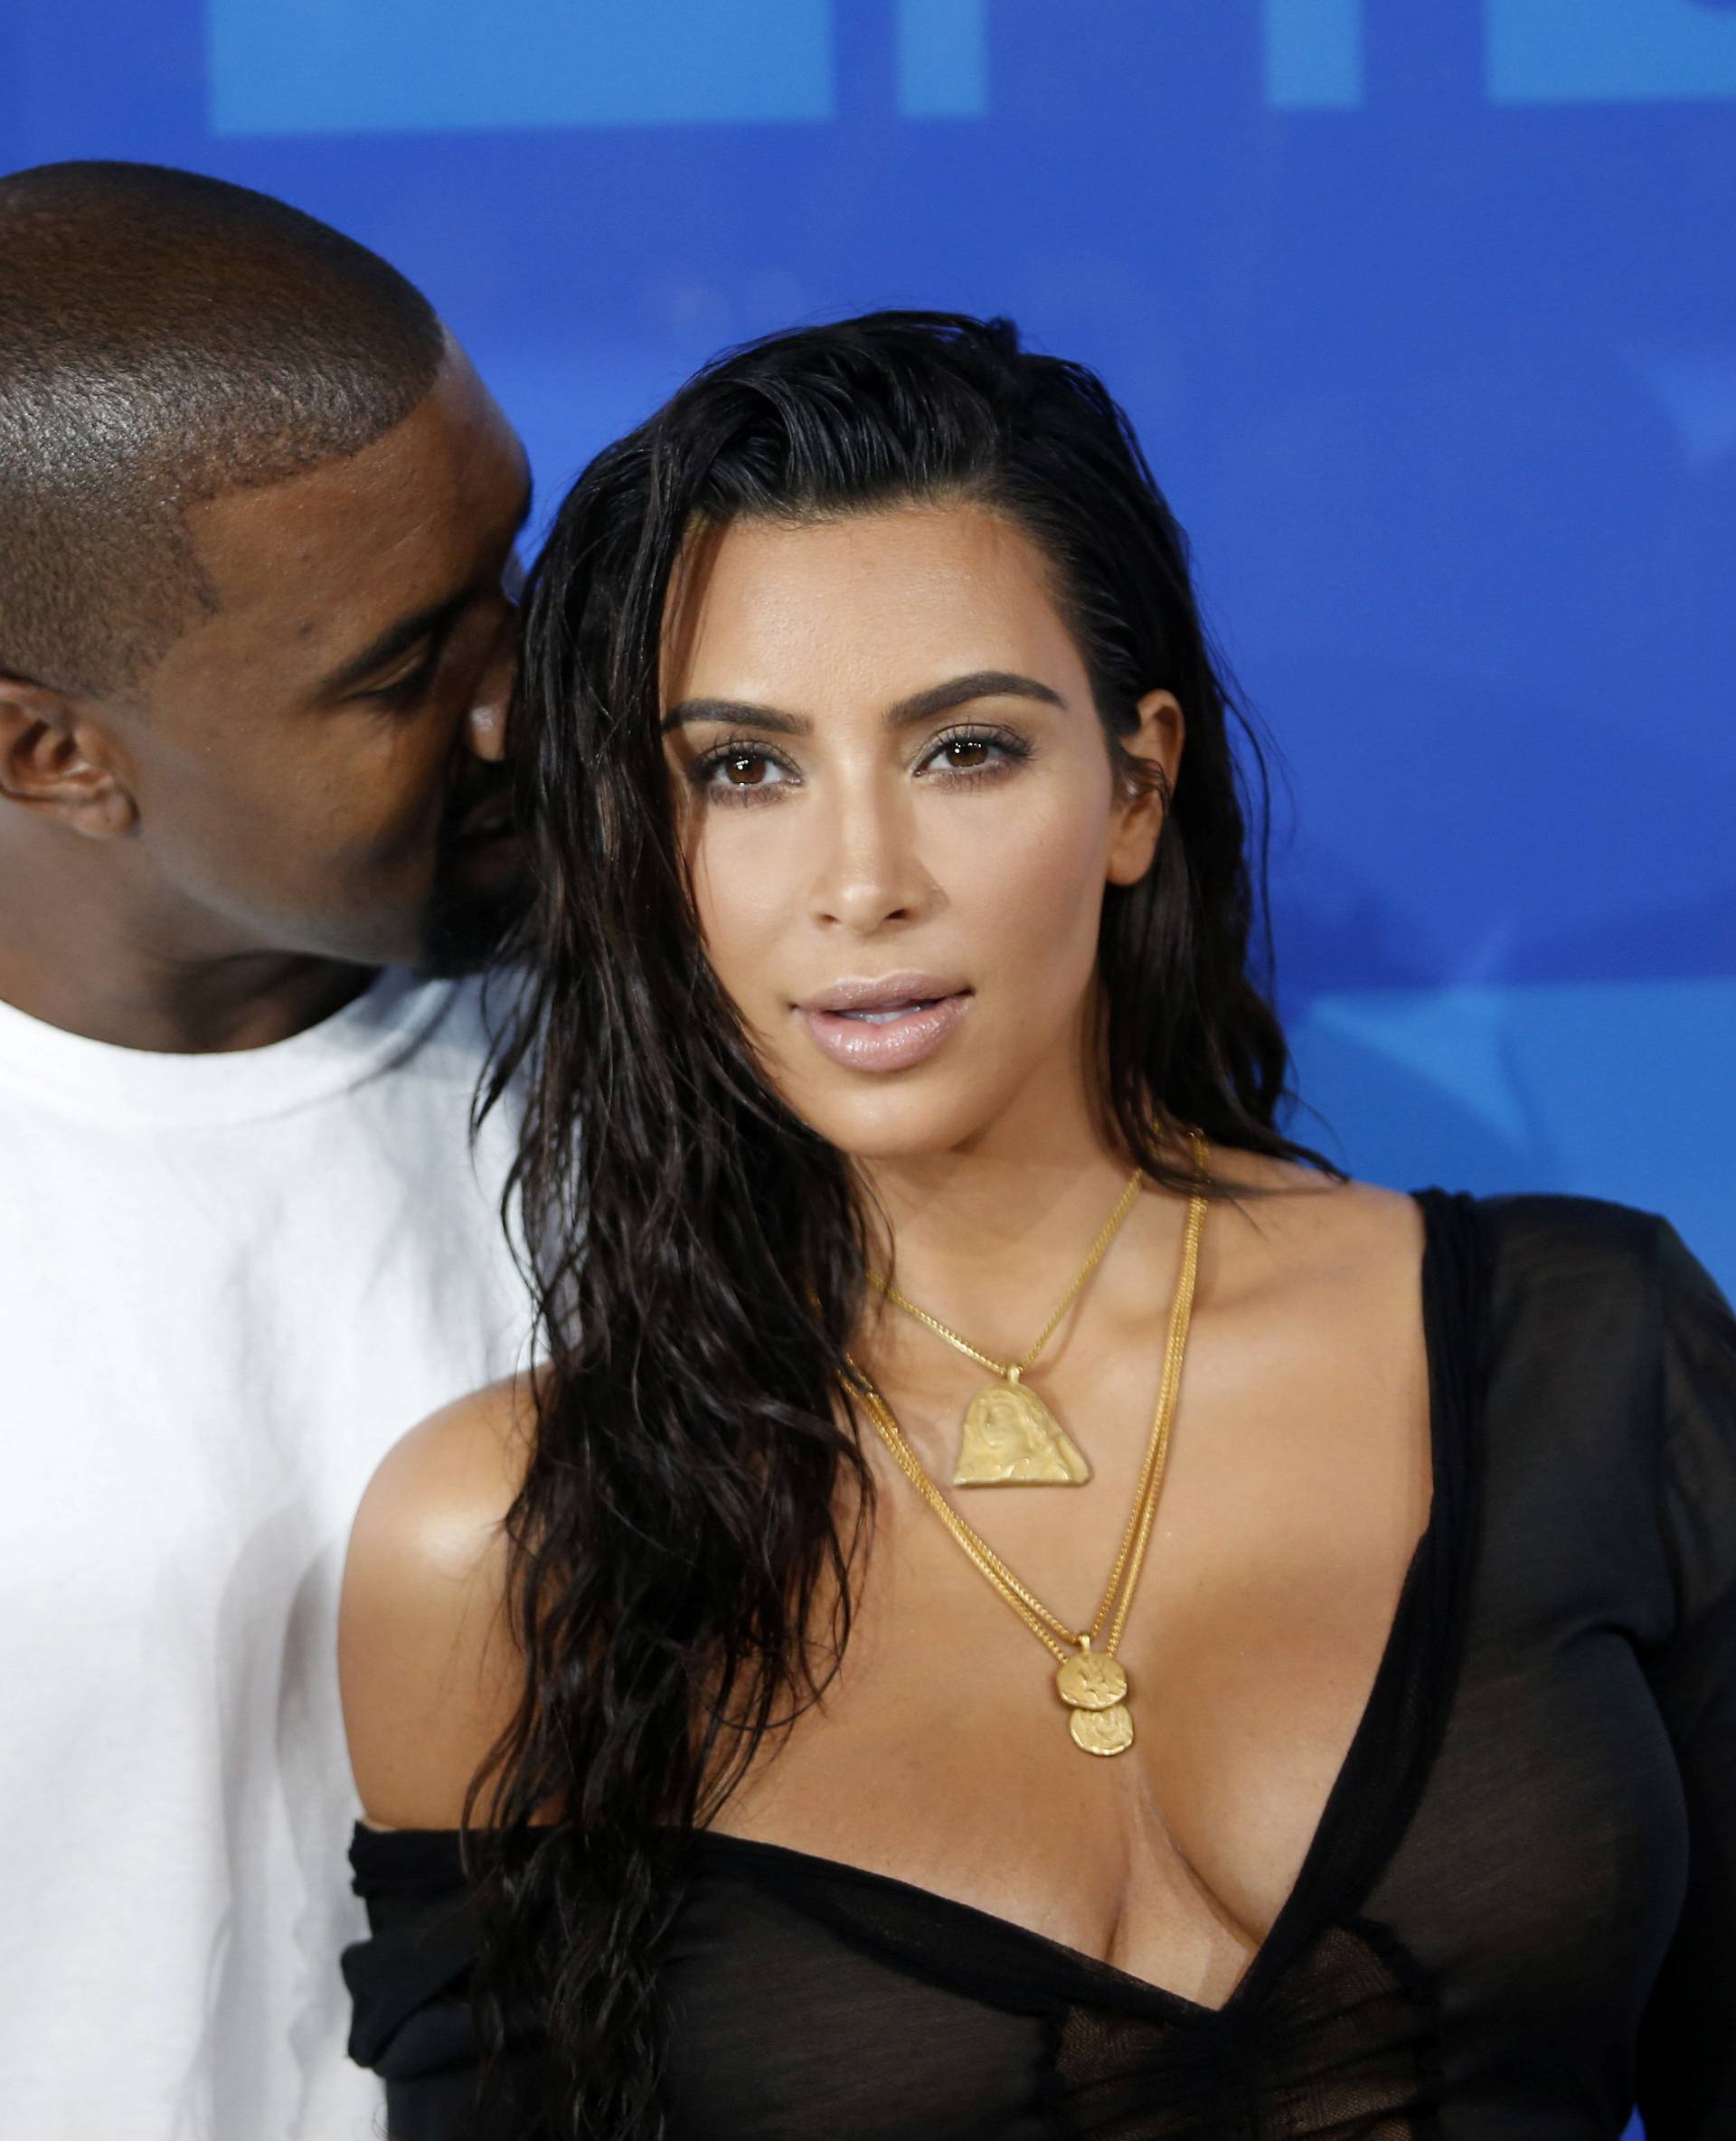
(887, 1024)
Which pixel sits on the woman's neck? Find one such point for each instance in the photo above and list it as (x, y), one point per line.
(986, 1228)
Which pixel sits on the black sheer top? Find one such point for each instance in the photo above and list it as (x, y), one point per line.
(1516, 1918)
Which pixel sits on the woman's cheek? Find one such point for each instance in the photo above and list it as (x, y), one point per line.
(1034, 890)
(745, 902)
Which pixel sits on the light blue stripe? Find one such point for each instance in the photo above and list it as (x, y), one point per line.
(366, 66)
(1617, 1089)
(1315, 58)
(1577, 51)
(942, 59)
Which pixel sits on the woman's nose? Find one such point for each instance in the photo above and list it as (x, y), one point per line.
(870, 873)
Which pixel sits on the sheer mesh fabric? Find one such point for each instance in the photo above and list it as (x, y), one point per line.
(1518, 1914)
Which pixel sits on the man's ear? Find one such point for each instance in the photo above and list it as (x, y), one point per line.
(1155, 746)
(56, 759)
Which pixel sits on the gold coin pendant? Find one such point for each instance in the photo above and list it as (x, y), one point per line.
(1103, 1731)
(1091, 1681)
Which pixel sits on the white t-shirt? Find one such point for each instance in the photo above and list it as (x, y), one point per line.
(228, 1283)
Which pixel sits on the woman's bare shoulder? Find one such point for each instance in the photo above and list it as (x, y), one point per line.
(425, 1660)
(1293, 1218)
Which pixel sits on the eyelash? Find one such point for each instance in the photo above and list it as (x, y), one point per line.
(411, 690)
(1013, 748)
(408, 690)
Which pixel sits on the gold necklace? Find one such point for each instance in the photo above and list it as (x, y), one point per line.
(1092, 1683)
(1009, 1437)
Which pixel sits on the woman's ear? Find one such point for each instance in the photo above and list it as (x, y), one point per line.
(1156, 747)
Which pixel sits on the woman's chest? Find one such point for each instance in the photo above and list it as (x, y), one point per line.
(942, 1755)
(1298, 1481)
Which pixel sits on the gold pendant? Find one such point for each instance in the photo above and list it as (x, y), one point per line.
(1010, 1438)
(1093, 1687)
(1103, 1731)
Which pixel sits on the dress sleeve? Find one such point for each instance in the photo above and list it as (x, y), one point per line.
(1686, 2071)
(410, 1993)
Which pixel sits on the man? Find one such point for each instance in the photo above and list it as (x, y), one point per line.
(256, 543)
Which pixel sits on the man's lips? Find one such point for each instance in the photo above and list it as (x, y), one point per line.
(889, 1024)
(484, 823)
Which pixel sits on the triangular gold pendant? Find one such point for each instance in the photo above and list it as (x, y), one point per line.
(1010, 1438)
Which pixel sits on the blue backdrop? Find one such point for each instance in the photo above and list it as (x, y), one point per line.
(1427, 317)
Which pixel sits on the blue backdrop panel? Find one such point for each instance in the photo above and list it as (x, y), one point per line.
(1598, 1087)
(1426, 314)
(329, 66)
(1314, 55)
(942, 59)
(1609, 51)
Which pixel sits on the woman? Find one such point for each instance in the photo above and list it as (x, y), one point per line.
(882, 1722)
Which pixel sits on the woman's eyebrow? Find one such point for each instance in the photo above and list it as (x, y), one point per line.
(904, 713)
(740, 713)
(981, 684)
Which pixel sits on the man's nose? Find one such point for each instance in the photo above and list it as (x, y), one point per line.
(484, 723)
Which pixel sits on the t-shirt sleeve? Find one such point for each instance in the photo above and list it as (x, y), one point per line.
(1687, 2046)
(410, 1993)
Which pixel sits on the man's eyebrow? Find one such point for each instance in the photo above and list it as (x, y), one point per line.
(430, 622)
(922, 706)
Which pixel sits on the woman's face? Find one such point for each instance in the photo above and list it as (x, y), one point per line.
(900, 813)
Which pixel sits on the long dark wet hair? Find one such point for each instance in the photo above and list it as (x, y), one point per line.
(682, 1550)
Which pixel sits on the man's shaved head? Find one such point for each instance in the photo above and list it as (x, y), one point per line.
(165, 338)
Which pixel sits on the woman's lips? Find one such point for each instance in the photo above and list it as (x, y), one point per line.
(886, 1036)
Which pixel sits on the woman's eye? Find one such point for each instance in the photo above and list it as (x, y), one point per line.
(742, 771)
(964, 754)
(974, 751)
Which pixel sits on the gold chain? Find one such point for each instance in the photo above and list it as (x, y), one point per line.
(1012, 1370)
(1048, 1628)
(1030, 1610)
(1138, 1534)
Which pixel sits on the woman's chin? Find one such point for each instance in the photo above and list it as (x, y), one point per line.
(886, 1127)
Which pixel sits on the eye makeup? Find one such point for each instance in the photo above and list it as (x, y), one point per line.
(997, 752)
(1009, 748)
(739, 751)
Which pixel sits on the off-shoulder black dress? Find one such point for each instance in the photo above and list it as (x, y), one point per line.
(1518, 1915)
